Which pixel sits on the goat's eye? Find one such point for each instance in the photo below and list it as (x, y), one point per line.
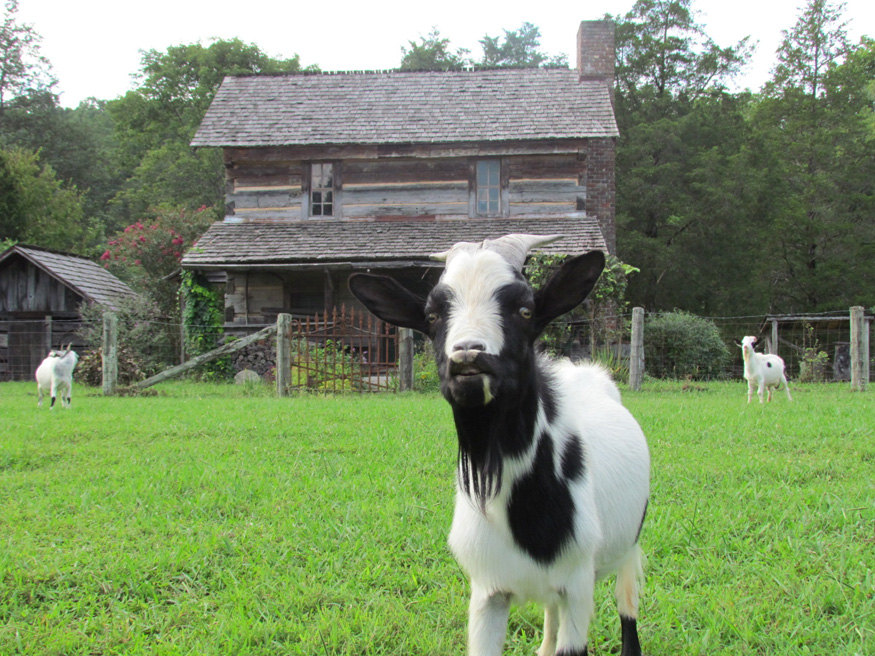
(525, 313)
(432, 317)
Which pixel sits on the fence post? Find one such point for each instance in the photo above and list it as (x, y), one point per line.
(636, 351)
(773, 345)
(405, 359)
(48, 338)
(109, 357)
(283, 354)
(859, 350)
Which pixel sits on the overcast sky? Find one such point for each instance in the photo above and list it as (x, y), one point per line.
(94, 45)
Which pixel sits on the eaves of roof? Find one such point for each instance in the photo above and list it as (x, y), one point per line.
(366, 243)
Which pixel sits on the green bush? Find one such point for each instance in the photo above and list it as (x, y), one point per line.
(681, 345)
(425, 374)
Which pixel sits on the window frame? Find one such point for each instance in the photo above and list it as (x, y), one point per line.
(313, 171)
(479, 187)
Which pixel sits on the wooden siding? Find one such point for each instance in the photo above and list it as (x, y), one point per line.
(25, 288)
(539, 185)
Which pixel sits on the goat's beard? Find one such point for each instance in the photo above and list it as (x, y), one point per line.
(468, 391)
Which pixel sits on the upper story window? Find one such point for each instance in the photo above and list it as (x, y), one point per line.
(488, 187)
(322, 194)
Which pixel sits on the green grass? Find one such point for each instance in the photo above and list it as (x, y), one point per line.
(216, 520)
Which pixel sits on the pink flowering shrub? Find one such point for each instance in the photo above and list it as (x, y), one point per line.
(146, 252)
(156, 245)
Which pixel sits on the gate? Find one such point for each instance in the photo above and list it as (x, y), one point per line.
(343, 350)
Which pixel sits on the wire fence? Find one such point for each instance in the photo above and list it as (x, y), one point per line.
(814, 347)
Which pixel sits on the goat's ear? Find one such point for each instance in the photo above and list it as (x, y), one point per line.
(567, 287)
(389, 300)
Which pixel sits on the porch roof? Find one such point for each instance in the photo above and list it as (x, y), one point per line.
(359, 244)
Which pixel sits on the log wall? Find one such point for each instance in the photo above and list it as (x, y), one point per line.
(536, 185)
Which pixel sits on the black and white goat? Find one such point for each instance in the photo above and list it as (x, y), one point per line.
(553, 472)
(55, 374)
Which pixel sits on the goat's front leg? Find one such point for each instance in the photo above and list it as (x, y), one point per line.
(487, 621)
(749, 390)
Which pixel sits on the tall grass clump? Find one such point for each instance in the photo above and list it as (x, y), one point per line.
(681, 345)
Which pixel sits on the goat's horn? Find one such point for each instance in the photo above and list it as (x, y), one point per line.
(515, 247)
(512, 248)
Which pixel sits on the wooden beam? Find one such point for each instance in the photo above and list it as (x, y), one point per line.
(231, 347)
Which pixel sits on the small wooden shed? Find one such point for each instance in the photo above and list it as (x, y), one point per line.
(40, 294)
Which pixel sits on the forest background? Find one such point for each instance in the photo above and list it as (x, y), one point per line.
(728, 203)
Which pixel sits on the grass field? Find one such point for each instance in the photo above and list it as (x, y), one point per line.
(215, 520)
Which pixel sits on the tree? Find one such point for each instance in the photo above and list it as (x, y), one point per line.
(432, 53)
(816, 43)
(681, 132)
(664, 55)
(814, 119)
(36, 207)
(518, 49)
(23, 70)
(156, 122)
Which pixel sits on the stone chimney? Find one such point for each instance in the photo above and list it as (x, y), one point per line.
(595, 62)
(595, 51)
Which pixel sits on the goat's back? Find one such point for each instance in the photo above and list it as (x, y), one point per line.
(45, 371)
(767, 365)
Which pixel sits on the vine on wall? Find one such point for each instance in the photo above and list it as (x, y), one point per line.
(203, 320)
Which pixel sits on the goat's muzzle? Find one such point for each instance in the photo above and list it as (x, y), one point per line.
(468, 380)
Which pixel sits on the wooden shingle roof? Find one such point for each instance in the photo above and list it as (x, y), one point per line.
(397, 107)
(370, 243)
(86, 278)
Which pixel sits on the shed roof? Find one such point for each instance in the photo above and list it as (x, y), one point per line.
(400, 107)
(370, 243)
(86, 278)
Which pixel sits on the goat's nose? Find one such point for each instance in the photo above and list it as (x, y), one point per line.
(469, 345)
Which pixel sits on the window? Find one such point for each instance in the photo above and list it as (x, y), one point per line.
(322, 190)
(488, 187)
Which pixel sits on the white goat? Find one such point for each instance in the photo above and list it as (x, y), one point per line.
(763, 370)
(553, 472)
(55, 374)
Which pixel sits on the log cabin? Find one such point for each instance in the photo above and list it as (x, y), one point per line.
(329, 173)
